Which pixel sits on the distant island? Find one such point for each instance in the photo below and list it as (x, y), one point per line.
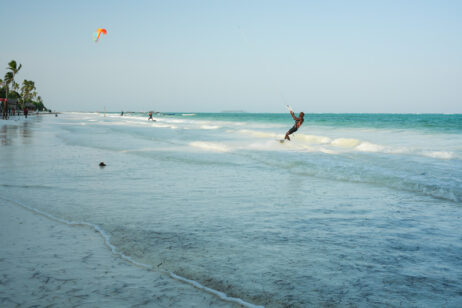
(15, 98)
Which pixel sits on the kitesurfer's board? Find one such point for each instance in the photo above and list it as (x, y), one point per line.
(280, 140)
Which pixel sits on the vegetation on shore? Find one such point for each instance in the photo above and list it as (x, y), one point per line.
(24, 93)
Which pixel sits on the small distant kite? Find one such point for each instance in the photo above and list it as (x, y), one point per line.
(98, 33)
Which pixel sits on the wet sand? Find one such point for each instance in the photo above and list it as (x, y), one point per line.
(44, 262)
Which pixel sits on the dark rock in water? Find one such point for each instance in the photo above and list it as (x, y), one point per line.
(102, 164)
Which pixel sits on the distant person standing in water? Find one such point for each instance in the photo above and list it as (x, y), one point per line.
(26, 112)
(298, 123)
(150, 115)
(4, 109)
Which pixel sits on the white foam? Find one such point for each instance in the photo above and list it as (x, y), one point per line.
(209, 126)
(259, 134)
(341, 140)
(210, 146)
(160, 125)
(264, 145)
(168, 120)
(439, 154)
(312, 139)
(327, 151)
(369, 147)
(221, 295)
(312, 143)
(345, 142)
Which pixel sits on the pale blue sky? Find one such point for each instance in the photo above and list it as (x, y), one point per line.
(318, 56)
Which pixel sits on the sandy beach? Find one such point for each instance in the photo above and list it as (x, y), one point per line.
(46, 263)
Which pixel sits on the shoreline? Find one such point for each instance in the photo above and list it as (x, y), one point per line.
(222, 220)
(45, 262)
(21, 118)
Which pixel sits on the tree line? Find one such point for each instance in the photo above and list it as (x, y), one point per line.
(23, 93)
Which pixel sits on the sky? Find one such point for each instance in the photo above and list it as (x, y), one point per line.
(253, 56)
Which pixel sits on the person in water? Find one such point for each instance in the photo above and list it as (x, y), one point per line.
(150, 116)
(298, 123)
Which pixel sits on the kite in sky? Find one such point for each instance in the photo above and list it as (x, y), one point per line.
(98, 33)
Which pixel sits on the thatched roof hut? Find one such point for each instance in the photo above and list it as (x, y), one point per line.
(13, 104)
(29, 106)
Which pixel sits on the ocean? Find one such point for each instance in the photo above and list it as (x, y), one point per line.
(357, 210)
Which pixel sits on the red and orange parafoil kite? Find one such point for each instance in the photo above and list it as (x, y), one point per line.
(98, 33)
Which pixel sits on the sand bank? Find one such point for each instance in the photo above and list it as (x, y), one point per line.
(43, 262)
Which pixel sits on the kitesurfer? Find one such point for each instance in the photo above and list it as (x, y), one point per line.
(298, 123)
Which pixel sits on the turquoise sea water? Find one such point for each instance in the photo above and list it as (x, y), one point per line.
(358, 209)
(430, 122)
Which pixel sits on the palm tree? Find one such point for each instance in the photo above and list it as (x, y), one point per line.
(14, 68)
(1, 88)
(27, 91)
(40, 103)
(9, 78)
(15, 86)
